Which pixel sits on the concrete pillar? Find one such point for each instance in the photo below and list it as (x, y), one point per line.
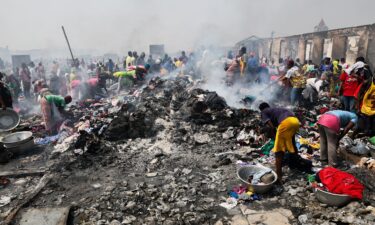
(301, 49)
(339, 47)
(317, 54)
(276, 49)
(363, 44)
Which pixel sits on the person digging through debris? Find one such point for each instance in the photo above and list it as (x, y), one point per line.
(133, 75)
(287, 126)
(329, 128)
(52, 107)
(95, 86)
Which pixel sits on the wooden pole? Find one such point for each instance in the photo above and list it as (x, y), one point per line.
(67, 41)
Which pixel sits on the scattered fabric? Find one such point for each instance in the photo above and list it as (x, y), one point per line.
(4, 200)
(339, 182)
(372, 140)
(257, 176)
(266, 149)
(230, 203)
(47, 140)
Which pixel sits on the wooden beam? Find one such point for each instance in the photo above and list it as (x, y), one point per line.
(13, 212)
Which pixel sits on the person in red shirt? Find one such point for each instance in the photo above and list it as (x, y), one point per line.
(349, 84)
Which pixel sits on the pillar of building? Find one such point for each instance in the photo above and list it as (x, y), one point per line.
(301, 49)
(363, 44)
(338, 47)
(317, 53)
(276, 49)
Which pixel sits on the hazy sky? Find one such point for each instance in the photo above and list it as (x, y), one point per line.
(120, 25)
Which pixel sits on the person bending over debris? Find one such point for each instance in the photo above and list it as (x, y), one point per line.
(287, 126)
(52, 106)
(134, 74)
(314, 89)
(330, 135)
(94, 86)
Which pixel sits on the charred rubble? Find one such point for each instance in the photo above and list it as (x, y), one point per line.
(167, 154)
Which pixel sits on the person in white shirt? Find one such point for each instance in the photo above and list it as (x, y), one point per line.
(314, 88)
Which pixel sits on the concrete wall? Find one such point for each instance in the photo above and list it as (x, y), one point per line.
(295, 46)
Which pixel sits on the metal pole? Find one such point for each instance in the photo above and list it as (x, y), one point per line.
(67, 41)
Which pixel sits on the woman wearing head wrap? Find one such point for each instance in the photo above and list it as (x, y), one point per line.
(349, 84)
(335, 78)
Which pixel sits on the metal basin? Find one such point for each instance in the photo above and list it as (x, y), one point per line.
(244, 172)
(22, 148)
(331, 198)
(9, 120)
(16, 139)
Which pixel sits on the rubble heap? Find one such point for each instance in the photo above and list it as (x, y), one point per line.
(168, 155)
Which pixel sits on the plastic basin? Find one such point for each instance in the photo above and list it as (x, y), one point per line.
(331, 198)
(243, 174)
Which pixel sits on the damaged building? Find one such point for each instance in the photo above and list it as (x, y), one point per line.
(348, 42)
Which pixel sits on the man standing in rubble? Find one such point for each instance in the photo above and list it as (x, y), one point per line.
(298, 82)
(5, 95)
(286, 125)
(26, 80)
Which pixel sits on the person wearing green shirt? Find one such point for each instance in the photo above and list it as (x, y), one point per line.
(52, 106)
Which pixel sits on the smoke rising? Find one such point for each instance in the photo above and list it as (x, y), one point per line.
(117, 25)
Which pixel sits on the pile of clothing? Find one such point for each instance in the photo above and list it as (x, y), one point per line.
(338, 182)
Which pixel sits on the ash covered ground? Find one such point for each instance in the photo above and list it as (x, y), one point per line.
(168, 154)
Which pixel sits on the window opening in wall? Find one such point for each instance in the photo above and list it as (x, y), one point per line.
(309, 49)
(327, 48)
(352, 49)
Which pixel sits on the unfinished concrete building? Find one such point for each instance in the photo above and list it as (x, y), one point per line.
(346, 42)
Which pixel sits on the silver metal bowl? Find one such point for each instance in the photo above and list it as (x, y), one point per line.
(243, 174)
(22, 148)
(331, 198)
(16, 139)
(9, 120)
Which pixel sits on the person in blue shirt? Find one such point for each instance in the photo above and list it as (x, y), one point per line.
(330, 125)
(252, 67)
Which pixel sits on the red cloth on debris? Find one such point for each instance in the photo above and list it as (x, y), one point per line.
(323, 110)
(339, 182)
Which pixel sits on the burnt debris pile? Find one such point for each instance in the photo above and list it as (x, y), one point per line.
(179, 100)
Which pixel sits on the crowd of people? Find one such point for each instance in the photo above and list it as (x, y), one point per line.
(55, 86)
(303, 84)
